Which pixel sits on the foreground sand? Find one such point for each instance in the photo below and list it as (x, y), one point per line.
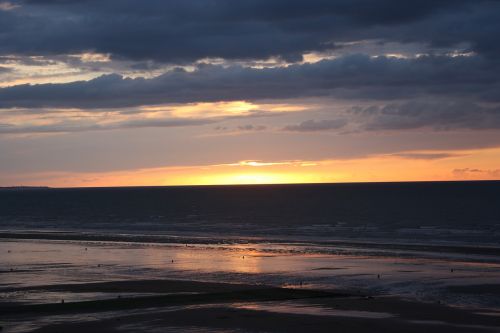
(177, 306)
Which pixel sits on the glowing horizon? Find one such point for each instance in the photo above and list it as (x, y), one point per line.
(404, 167)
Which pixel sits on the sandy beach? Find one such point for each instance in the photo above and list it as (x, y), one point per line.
(52, 285)
(216, 307)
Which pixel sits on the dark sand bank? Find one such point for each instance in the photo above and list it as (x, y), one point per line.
(184, 305)
(232, 294)
(140, 286)
(227, 319)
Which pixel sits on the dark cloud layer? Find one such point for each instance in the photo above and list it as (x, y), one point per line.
(356, 77)
(435, 115)
(460, 88)
(183, 31)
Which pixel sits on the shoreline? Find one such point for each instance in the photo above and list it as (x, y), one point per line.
(375, 244)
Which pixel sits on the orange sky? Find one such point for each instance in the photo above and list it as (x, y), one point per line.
(412, 166)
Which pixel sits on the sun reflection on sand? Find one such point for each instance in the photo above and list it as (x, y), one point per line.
(310, 309)
(196, 258)
(39, 262)
(238, 262)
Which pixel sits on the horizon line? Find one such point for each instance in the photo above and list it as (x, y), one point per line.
(42, 187)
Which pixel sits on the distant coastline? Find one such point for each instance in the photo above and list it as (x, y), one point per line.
(21, 188)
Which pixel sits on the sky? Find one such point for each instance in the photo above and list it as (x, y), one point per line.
(184, 92)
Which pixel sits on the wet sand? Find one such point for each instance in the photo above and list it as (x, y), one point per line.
(213, 307)
(149, 287)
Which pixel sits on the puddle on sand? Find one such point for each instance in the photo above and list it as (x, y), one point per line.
(310, 309)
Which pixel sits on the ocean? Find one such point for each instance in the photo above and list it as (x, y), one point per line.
(454, 212)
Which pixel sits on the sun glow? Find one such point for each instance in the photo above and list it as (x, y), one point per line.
(253, 178)
(408, 166)
(221, 109)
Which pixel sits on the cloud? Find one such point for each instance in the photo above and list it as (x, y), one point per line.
(185, 31)
(316, 126)
(71, 127)
(251, 127)
(476, 173)
(427, 156)
(353, 77)
(443, 115)
(240, 129)
(6, 6)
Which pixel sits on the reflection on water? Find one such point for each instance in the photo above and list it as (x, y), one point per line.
(310, 309)
(30, 263)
